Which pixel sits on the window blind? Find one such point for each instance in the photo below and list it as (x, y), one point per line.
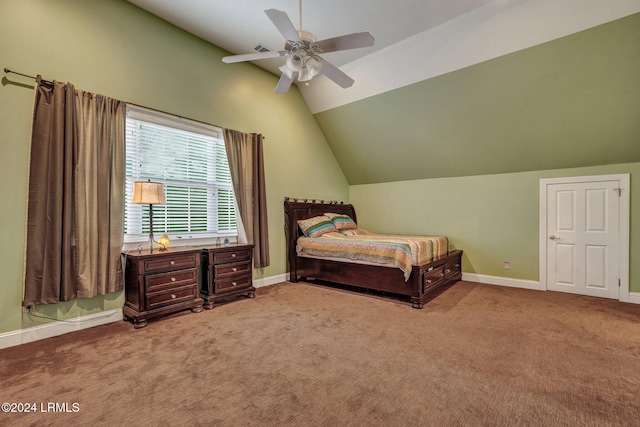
(190, 159)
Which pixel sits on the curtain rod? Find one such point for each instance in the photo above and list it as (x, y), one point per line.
(6, 70)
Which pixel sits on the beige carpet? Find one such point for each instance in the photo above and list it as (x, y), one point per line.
(304, 355)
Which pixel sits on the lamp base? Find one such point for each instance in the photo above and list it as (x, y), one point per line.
(151, 242)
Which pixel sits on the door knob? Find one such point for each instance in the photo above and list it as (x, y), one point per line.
(552, 237)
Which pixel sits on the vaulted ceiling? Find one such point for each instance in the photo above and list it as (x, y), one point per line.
(453, 88)
(239, 25)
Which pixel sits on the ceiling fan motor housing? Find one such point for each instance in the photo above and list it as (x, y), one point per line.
(306, 36)
(308, 43)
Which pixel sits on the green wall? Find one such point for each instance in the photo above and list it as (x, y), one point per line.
(570, 102)
(538, 102)
(493, 218)
(113, 48)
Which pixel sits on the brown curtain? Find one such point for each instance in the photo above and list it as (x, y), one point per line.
(75, 203)
(246, 164)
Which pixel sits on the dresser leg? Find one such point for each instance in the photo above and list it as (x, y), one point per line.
(208, 305)
(139, 324)
(196, 309)
(251, 294)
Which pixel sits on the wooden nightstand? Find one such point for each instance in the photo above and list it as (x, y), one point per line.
(226, 271)
(161, 283)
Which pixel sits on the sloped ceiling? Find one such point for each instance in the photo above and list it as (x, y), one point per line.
(239, 25)
(567, 103)
(456, 88)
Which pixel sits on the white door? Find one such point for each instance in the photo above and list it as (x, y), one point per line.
(582, 237)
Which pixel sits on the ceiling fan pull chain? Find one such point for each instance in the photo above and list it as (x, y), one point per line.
(300, 15)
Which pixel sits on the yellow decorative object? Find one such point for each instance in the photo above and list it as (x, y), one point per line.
(164, 241)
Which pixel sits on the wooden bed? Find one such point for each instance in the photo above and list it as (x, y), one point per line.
(426, 280)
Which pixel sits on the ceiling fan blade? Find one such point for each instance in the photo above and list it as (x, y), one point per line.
(283, 24)
(284, 83)
(335, 74)
(348, 41)
(253, 56)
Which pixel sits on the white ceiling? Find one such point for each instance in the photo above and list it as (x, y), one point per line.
(415, 39)
(239, 25)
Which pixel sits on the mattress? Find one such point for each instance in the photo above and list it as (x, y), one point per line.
(396, 250)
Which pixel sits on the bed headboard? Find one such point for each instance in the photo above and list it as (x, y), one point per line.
(297, 209)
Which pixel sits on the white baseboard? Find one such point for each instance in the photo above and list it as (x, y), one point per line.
(23, 336)
(272, 280)
(502, 281)
(634, 297)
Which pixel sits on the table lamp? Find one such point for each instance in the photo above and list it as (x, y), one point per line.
(151, 193)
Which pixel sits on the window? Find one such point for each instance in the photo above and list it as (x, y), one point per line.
(190, 159)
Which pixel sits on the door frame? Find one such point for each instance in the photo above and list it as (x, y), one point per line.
(623, 230)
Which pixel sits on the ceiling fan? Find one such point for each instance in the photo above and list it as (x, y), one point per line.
(302, 52)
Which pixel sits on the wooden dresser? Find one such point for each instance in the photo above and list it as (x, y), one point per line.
(226, 271)
(161, 283)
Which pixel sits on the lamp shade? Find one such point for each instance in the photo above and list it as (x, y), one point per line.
(147, 192)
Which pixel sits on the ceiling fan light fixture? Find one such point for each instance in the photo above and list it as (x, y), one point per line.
(314, 66)
(294, 62)
(309, 70)
(304, 75)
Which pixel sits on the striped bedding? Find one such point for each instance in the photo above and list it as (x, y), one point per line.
(394, 250)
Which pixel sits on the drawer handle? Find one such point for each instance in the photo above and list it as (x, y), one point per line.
(234, 269)
(441, 274)
(428, 280)
(448, 270)
(233, 255)
(457, 265)
(234, 283)
(173, 263)
(173, 296)
(173, 279)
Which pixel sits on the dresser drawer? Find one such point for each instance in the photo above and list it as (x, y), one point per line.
(172, 279)
(452, 268)
(171, 297)
(433, 278)
(227, 269)
(233, 283)
(171, 263)
(231, 256)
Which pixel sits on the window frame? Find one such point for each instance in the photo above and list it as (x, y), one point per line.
(180, 124)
